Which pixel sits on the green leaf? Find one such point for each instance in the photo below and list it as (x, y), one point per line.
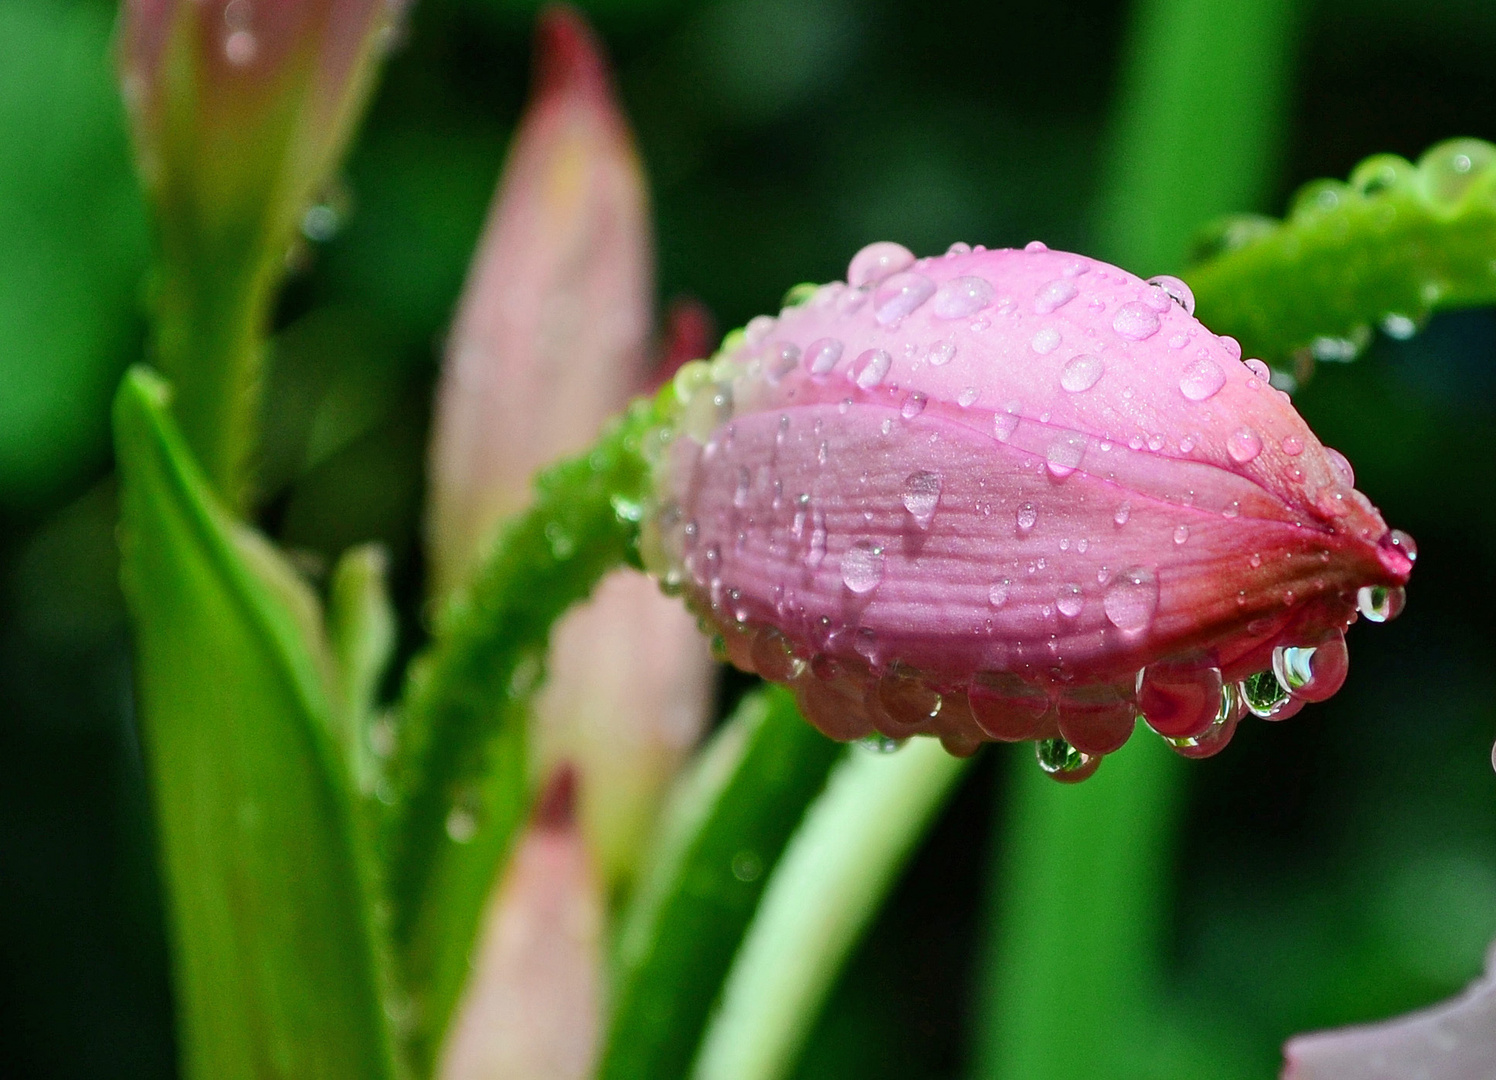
(73, 244)
(723, 833)
(459, 776)
(361, 628)
(836, 871)
(276, 961)
(1392, 246)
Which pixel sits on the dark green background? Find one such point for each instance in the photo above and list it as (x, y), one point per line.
(1340, 866)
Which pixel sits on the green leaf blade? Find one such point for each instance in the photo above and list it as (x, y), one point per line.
(724, 834)
(276, 965)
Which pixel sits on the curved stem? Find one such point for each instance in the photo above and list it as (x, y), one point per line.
(838, 868)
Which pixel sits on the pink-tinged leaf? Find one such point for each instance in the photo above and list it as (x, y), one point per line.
(981, 496)
(1452, 1041)
(533, 1006)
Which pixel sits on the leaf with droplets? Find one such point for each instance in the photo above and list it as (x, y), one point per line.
(277, 960)
(1390, 247)
(724, 832)
(459, 774)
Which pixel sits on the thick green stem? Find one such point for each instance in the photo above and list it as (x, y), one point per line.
(1080, 889)
(839, 866)
(459, 781)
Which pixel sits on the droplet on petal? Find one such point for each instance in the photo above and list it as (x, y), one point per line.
(870, 367)
(822, 356)
(900, 294)
(1132, 599)
(1202, 379)
(1081, 373)
(1243, 445)
(877, 261)
(1177, 291)
(862, 567)
(921, 494)
(1135, 321)
(962, 296)
(1054, 296)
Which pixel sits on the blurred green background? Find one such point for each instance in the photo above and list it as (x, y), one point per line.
(1338, 867)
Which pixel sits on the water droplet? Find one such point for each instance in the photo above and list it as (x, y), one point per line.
(1065, 453)
(997, 595)
(779, 361)
(1448, 170)
(1123, 513)
(1036, 245)
(962, 296)
(1400, 543)
(1231, 345)
(1380, 603)
(740, 495)
(941, 353)
(1176, 290)
(1081, 373)
(877, 261)
(960, 247)
(906, 699)
(1135, 321)
(868, 370)
(1045, 341)
(899, 295)
(1064, 762)
(881, 744)
(1069, 600)
(862, 567)
(1028, 516)
(1054, 296)
(1243, 445)
(815, 554)
(921, 495)
(240, 47)
(1003, 425)
(1293, 446)
(1313, 672)
(1265, 696)
(1398, 327)
(1202, 379)
(1131, 599)
(967, 397)
(1181, 534)
(1261, 370)
(1341, 466)
(1180, 699)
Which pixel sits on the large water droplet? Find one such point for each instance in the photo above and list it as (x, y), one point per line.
(941, 353)
(1313, 672)
(1045, 341)
(967, 397)
(1180, 699)
(921, 495)
(962, 296)
(1215, 737)
(1135, 321)
(1081, 373)
(1265, 697)
(1028, 516)
(1064, 762)
(868, 370)
(1070, 600)
(900, 294)
(1036, 245)
(1006, 707)
(1176, 290)
(1132, 599)
(862, 567)
(1054, 296)
(1259, 369)
(1202, 379)
(822, 356)
(1243, 445)
(907, 700)
(1065, 453)
(1381, 603)
(774, 656)
(1341, 466)
(877, 261)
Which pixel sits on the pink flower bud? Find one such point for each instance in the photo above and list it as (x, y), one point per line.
(1014, 495)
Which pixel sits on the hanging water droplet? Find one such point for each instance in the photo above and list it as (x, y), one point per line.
(997, 595)
(881, 744)
(1135, 321)
(1028, 516)
(1312, 672)
(1081, 373)
(913, 405)
(1243, 445)
(899, 295)
(1202, 379)
(1055, 295)
(921, 495)
(1065, 453)
(962, 296)
(877, 261)
(862, 567)
(1062, 761)
(1069, 600)
(1176, 290)
(868, 370)
(1380, 603)
(1045, 341)
(1264, 695)
(1131, 599)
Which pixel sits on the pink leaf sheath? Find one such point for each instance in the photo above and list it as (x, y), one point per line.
(1452, 1041)
(1014, 494)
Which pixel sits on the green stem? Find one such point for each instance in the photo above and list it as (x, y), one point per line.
(839, 866)
(1080, 888)
(459, 780)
